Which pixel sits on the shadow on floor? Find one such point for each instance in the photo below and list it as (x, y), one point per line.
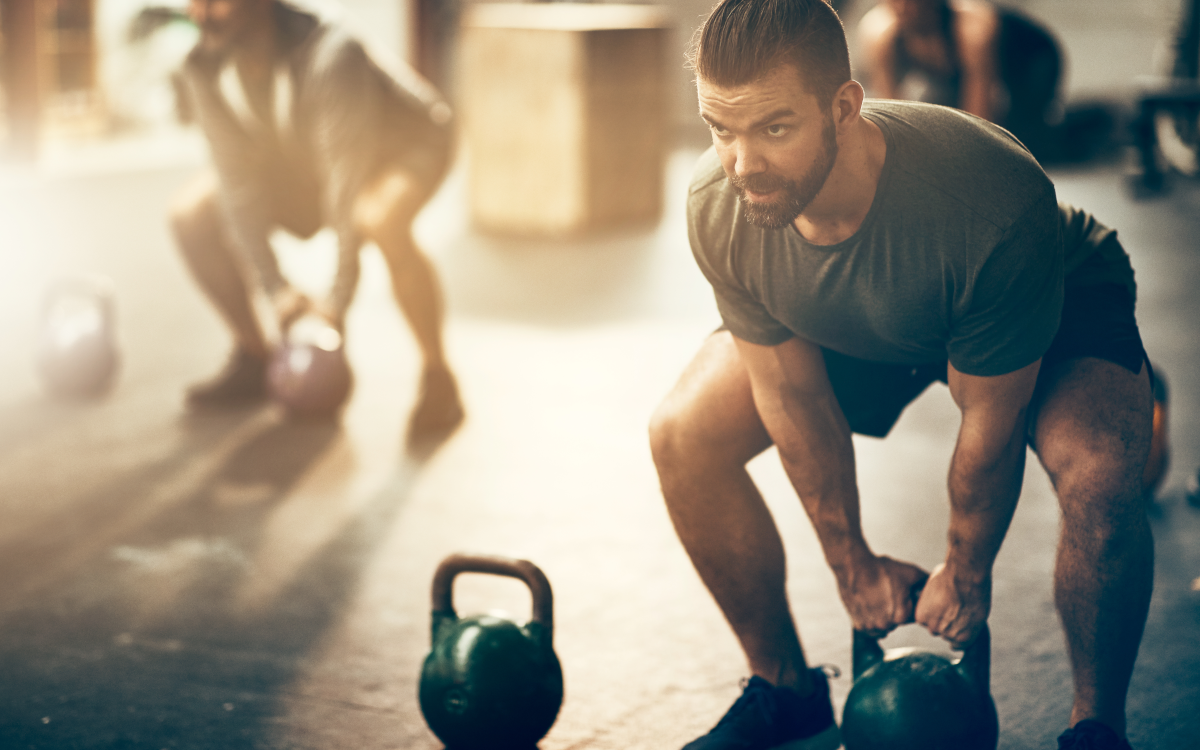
(121, 622)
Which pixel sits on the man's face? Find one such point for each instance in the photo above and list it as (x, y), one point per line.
(775, 141)
(222, 22)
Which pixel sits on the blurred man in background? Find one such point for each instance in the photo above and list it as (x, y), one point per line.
(306, 131)
(968, 54)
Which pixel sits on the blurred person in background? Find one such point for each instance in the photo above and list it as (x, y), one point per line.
(307, 130)
(968, 54)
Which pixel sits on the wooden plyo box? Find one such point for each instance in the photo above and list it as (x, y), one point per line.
(565, 111)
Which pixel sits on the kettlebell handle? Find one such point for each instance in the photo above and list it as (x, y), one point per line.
(975, 662)
(99, 288)
(534, 578)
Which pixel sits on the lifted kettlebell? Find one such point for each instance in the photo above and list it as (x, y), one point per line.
(488, 683)
(907, 699)
(77, 350)
(309, 374)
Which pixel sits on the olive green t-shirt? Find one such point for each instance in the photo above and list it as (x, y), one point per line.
(961, 256)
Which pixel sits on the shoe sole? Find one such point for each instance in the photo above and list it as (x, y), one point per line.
(830, 739)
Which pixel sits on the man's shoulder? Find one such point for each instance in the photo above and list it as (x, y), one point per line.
(712, 201)
(708, 174)
(949, 158)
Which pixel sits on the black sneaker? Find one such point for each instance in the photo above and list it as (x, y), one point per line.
(243, 380)
(1091, 735)
(766, 717)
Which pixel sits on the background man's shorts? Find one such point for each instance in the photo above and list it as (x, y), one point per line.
(1097, 321)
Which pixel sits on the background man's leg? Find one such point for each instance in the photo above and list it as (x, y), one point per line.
(702, 436)
(1092, 434)
(385, 213)
(196, 223)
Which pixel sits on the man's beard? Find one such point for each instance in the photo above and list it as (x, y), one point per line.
(797, 194)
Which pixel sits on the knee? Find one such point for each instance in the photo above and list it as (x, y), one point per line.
(385, 210)
(1102, 502)
(667, 435)
(684, 442)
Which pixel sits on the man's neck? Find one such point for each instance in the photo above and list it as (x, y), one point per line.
(843, 203)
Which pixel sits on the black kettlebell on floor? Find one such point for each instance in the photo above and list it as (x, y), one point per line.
(907, 699)
(77, 349)
(309, 373)
(489, 683)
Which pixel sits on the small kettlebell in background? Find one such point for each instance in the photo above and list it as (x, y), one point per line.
(908, 699)
(77, 350)
(309, 374)
(489, 683)
(1160, 451)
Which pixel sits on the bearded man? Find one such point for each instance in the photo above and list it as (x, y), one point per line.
(860, 251)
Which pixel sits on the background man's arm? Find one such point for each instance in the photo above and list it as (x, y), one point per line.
(985, 483)
(348, 130)
(796, 404)
(978, 35)
(243, 199)
(877, 33)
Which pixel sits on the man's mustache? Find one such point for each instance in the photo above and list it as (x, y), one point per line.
(758, 183)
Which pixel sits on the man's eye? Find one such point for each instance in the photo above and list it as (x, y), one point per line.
(776, 130)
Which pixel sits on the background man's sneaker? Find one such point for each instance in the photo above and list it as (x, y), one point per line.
(1091, 735)
(766, 717)
(243, 380)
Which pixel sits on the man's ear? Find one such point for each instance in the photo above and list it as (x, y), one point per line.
(847, 103)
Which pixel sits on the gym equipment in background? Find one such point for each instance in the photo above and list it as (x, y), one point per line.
(1160, 451)
(77, 350)
(308, 374)
(1167, 128)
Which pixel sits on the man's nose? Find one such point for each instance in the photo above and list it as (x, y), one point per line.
(748, 161)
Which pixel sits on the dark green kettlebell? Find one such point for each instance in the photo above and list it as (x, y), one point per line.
(907, 699)
(488, 682)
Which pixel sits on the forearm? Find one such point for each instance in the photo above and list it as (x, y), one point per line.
(345, 280)
(985, 483)
(977, 99)
(249, 228)
(814, 445)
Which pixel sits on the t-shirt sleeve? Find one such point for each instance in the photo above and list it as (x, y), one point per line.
(713, 244)
(1012, 311)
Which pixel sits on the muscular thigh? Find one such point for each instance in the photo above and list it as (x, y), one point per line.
(711, 408)
(1090, 426)
(410, 176)
(387, 206)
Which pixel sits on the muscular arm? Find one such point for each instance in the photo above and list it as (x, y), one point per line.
(877, 34)
(243, 197)
(345, 104)
(796, 404)
(977, 33)
(985, 482)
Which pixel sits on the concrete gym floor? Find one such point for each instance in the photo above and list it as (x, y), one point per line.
(236, 580)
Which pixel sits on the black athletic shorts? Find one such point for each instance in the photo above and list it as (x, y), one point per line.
(1097, 321)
